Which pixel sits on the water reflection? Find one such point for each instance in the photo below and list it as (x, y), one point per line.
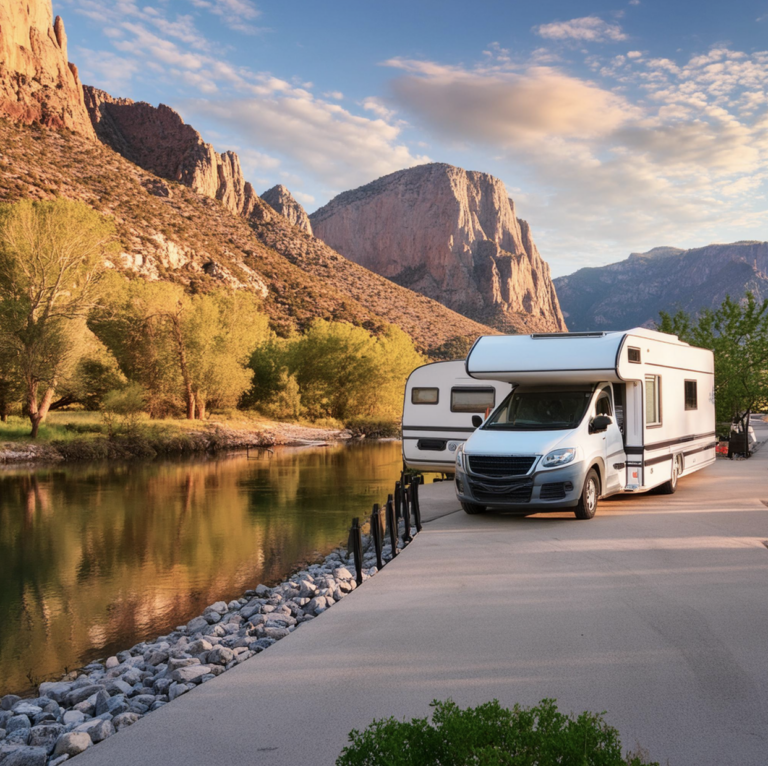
(96, 558)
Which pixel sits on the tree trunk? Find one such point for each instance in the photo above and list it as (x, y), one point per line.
(201, 405)
(37, 412)
(189, 393)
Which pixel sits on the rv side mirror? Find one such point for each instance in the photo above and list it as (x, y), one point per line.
(477, 421)
(599, 424)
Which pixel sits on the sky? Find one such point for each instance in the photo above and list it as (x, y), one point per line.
(616, 126)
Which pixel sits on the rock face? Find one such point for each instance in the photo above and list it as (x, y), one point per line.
(633, 291)
(450, 234)
(37, 83)
(282, 201)
(158, 140)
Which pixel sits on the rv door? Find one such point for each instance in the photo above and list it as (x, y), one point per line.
(613, 442)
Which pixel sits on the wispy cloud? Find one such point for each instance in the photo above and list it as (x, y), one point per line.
(590, 29)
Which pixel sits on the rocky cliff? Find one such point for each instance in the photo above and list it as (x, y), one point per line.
(158, 140)
(452, 235)
(37, 83)
(632, 292)
(281, 200)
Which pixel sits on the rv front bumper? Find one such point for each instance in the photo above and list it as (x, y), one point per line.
(542, 490)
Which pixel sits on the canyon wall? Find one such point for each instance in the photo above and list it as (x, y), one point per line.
(451, 235)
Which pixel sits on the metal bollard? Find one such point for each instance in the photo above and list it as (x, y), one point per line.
(398, 501)
(392, 525)
(406, 516)
(414, 490)
(355, 547)
(377, 533)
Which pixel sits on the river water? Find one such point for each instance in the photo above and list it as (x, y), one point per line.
(94, 558)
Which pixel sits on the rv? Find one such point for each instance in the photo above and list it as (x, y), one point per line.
(590, 415)
(440, 401)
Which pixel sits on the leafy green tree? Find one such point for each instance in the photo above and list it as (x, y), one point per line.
(52, 259)
(737, 333)
(11, 383)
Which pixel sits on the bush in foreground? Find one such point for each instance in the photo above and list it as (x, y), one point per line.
(490, 735)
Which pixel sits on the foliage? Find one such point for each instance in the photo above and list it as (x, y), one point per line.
(285, 403)
(372, 428)
(51, 263)
(454, 348)
(122, 409)
(738, 335)
(489, 735)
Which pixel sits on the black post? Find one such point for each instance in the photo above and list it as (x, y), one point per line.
(377, 533)
(406, 515)
(746, 434)
(414, 489)
(392, 525)
(355, 546)
(398, 500)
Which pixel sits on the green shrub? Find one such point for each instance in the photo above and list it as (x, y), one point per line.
(490, 735)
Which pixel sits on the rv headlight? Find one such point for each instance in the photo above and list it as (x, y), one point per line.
(460, 456)
(558, 457)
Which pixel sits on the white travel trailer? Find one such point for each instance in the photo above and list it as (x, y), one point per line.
(440, 401)
(590, 415)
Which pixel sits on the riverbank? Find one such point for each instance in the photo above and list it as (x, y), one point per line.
(78, 436)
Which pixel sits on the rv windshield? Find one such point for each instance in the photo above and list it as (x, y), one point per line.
(540, 411)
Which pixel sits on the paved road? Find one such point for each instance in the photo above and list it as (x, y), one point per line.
(656, 611)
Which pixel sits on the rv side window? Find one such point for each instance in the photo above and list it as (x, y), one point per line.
(603, 403)
(691, 395)
(472, 399)
(634, 355)
(425, 395)
(652, 400)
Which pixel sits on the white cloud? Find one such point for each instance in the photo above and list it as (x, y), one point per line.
(586, 29)
(634, 55)
(236, 14)
(325, 140)
(507, 109)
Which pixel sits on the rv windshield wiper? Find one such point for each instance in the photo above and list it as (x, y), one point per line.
(547, 427)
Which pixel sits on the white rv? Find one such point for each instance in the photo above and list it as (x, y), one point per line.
(590, 415)
(440, 401)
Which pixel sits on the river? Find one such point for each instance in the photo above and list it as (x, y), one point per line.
(94, 558)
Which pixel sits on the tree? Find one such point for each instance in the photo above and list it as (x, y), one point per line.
(11, 384)
(737, 333)
(52, 259)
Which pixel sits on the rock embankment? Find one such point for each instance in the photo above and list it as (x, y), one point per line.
(452, 235)
(86, 707)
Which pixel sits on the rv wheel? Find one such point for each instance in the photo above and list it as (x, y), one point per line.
(669, 487)
(473, 508)
(589, 495)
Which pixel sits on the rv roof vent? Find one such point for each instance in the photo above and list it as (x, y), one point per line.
(540, 335)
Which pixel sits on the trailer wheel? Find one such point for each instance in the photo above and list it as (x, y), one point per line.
(669, 487)
(587, 506)
(473, 508)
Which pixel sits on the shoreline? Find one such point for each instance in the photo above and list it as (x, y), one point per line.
(88, 705)
(212, 437)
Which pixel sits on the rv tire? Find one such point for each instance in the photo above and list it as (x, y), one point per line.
(669, 487)
(472, 508)
(587, 505)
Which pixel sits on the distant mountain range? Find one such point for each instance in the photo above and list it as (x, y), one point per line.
(634, 291)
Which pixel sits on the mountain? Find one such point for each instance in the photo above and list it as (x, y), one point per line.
(633, 291)
(37, 83)
(282, 201)
(158, 140)
(450, 234)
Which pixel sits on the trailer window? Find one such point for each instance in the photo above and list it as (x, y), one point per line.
(425, 395)
(633, 354)
(691, 395)
(472, 399)
(652, 400)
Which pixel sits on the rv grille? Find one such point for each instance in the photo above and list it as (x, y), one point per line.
(555, 491)
(495, 494)
(492, 465)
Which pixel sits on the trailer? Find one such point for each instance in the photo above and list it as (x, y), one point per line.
(440, 401)
(590, 415)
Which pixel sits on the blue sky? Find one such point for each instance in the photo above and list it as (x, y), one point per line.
(616, 127)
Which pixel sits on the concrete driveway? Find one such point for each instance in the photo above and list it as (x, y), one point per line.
(656, 611)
